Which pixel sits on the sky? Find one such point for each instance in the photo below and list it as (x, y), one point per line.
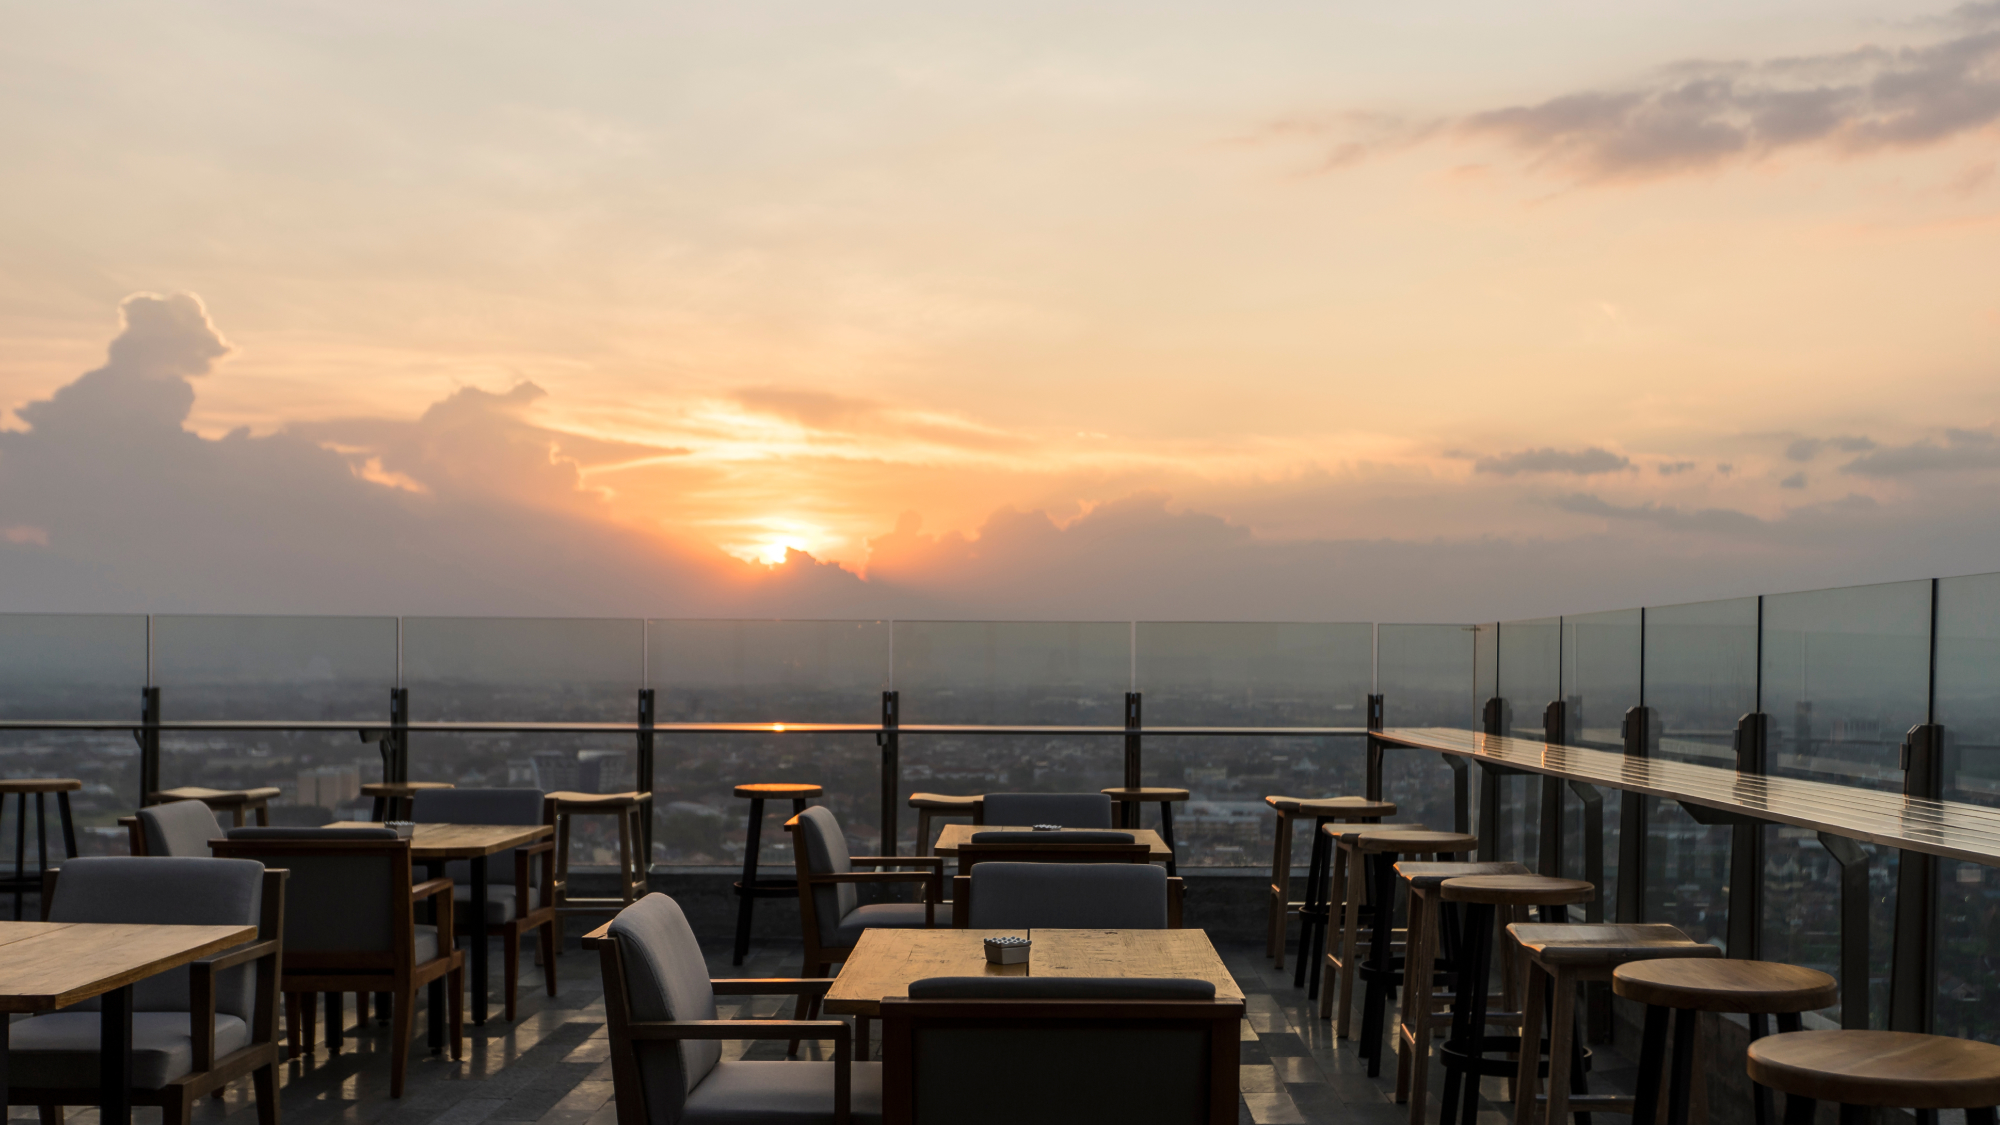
(1087, 310)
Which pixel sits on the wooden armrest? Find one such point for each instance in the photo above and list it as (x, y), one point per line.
(743, 1029)
(936, 861)
(875, 877)
(590, 940)
(430, 888)
(241, 955)
(771, 986)
(534, 849)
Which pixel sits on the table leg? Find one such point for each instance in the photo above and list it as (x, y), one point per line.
(475, 931)
(114, 1057)
(434, 1027)
(3, 1066)
(41, 832)
(69, 826)
(747, 890)
(1167, 834)
(381, 811)
(20, 848)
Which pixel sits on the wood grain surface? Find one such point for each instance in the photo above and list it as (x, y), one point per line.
(1719, 985)
(462, 841)
(55, 964)
(1591, 943)
(1185, 954)
(1881, 1068)
(955, 834)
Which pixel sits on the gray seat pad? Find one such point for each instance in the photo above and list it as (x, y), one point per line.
(880, 914)
(59, 1050)
(759, 1093)
(500, 905)
(426, 943)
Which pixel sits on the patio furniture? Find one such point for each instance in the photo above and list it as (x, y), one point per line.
(751, 888)
(1347, 876)
(1864, 1069)
(666, 1053)
(1069, 810)
(1131, 799)
(1559, 957)
(956, 837)
(350, 926)
(1096, 1049)
(1480, 898)
(23, 882)
(1383, 970)
(1070, 896)
(831, 916)
(393, 798)
(500, 888)
(177, 828)
(936, 805)
(236, 802)
(1757, 989)
(1317, 907)
(1025, 845)
(562, 810)
(175, 1018)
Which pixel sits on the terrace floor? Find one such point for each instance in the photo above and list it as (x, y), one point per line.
(551, 1066)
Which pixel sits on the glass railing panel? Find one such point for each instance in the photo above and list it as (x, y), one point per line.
(1968, 707)
(74, 666)
(1600, 678)
(1425, 674)
(763, 671)
(1529, 676)
(1262, 674)
(1485, 665)
(1011, 673)
(307, 668)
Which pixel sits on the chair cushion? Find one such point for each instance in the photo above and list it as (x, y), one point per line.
(1071, 810)
(166, 891)
(759, 1093)
(500, 904)
(827, 854)
(425, 944)
(1071, 896)
(881, 914)
(179, 828)
(1062, 988)
(334, 902)
(59, 1050)
(666, 978)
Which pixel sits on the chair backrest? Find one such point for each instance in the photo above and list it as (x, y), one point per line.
(1068, 896)
(479, 806)
(349, 892)
(1090, 846)
(172, 891)
(826, 854)
(1096, 1049)
(653, 973)
(1071, 810)
(179, 828)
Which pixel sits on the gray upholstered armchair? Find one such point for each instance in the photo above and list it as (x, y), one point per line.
(830, 910)
(1070, 810)
(176, 828)
(350, 926)
(194, 1029)
(666, 1042)
(1060, 1051)
(517, 898)
(1067, 896)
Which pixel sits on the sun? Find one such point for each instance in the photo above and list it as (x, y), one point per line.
(767, 540)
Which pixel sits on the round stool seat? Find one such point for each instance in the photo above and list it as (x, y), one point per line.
(41, 785)
(1722, 985)
(1880, 1068)
(567, 801)
(1351, 807)
(1605, 943)
(1427, 875)
(1375, 841)
(1285, 804)
(1149, 796)
(943, 802)
(1517, 890)
(779, 791)
(217, 797)
(401, 788)
(1349, 833)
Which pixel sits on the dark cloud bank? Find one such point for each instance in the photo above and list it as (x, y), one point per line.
(107, 503)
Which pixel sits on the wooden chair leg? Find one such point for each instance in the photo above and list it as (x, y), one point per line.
(1527, 1076)
(545, 943)
(456, 1008)
(1562, 1025)
(510, 959)
(51, 1114)
(292, 1018)
(402, 1011)
(309, 1019)
(176, 1111)
(265, 1081)
(1355, 883)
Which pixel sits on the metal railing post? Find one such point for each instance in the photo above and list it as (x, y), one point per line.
(149, 744)
(1853, 862)
(1376, 747)
(1494, 718)
(1128, 811)
(1637, 729)
(1745, 939)
(892, 768)
(642, 769)
(397, 749)
(1549, 855)
(1912, 959)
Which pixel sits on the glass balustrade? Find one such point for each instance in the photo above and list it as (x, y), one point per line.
(1967, 706)
(1426, 677)
(73, 666)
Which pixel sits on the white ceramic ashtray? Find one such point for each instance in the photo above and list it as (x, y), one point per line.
(1007, 951)
(404, 828)
(1046, 827)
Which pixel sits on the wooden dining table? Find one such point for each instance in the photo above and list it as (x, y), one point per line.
(953, 836)
(46, 966)
(434, 845)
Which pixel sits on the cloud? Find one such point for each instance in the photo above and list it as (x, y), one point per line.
(1796, 480)
(844, 415)
(1670, 468)
(1961, 451)
(1581, 462)
(1805, 449)
(1711, 520)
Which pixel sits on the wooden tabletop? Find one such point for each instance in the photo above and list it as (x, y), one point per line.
(955, 834)
(401, 788)
(462, 841)
(885, 961)
(40, 785)
(49, 965)
(217, 796)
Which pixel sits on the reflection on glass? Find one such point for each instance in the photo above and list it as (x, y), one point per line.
(1968, 707)
(1425, 676)
(1600, 655)
(1846, 672)
(74, 666)
(1530, 678)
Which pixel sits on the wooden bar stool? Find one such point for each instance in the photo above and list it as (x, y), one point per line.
(1488, 901)
(751, 888)
(1349, 893)
(1282, 908)
(1560, 957)
(235, 802)
(1432, 926)
(940, 805)
(1865, 1069)
(1382, 972)
(1129, 801)
(1317, 907)
(561, 808)
(393, 798)
(20, 787)
(1758, 989)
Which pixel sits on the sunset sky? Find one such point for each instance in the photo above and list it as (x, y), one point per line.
(1434, 312)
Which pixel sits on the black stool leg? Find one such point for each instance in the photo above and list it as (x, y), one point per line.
(1167, 834)
(381, 810)
(41, 834)
(1652, 1065)
(1680, 1089)
(1760, 1095)
(1980, 1115)
(747, 889)
(1476, 967)
(1800, 1110)
(20, 850)
(1382, 980)
(68, 825)
(1856, 1114)
(1309, 913)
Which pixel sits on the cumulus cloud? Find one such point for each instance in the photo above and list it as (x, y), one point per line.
(1960, 451)
(1579, 462)
(1715, 520)
(1805, 449)
(1796, 480)
(1672, 468)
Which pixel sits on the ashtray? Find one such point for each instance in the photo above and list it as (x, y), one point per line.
(1006, 951)
(404, 828)
(1046, 827)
